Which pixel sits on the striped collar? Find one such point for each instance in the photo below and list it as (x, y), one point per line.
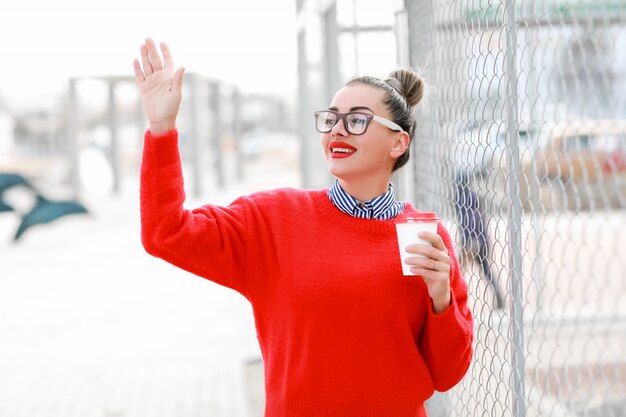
(383, 207)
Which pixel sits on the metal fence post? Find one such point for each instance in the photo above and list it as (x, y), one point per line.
(237, 131)
(72, 137)
(515, 213)
(196, 150)
(114, 145)
(216, 134)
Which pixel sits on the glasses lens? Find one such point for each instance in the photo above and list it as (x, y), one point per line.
(325, 120)
(356, 123)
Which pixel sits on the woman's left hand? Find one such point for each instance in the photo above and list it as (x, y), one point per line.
(434, 268)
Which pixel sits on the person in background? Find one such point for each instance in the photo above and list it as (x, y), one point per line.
(342, 332)
(475, 243)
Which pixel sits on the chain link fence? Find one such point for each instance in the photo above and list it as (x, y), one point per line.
(521, 147)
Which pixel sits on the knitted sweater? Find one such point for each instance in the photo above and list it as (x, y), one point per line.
(342, 332)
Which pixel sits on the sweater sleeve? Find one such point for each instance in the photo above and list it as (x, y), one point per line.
(446, 341)
(209, 241)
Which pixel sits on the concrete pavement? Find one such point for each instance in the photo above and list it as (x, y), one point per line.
(92, 326)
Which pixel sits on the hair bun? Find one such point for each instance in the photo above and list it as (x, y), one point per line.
(409, 84)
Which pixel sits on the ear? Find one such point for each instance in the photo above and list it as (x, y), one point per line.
(401, 142)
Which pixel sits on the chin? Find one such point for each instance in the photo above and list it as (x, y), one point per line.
(342, 174)
(336, 171)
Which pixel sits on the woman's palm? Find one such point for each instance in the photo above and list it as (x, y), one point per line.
(160, 100)
(159, 84)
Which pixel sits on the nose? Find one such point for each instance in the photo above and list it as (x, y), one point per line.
(339, 128)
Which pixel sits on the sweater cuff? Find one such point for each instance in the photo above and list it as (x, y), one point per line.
(169, 134)
(444, 324)
(160, 150)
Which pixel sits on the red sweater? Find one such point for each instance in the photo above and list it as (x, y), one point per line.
(342, 332)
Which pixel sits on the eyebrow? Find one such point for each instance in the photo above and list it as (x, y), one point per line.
(353, 108)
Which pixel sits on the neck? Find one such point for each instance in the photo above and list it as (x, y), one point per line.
(365, 189)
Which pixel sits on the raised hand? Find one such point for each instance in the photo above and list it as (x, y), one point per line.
(160, 86)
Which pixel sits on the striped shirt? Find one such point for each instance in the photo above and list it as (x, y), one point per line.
(383, 207)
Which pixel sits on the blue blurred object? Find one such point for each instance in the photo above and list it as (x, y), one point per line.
(475, 238)
(7, 181)
(4, 206)
(10, 180)
(46, 211)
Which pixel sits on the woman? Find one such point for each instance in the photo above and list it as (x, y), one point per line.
(341, 330)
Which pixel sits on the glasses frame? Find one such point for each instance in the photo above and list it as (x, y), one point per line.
(369, 117)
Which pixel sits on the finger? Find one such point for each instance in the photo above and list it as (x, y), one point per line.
(433, 238)
(430, 276)
(418, 248)
(177, 84)
(432, 264)
(168, 61)
(139, 75)
(145, 60)
(427, 255)
(153, 53)
(426, 273)
(438, 244)
(440, 266)
(420, 262)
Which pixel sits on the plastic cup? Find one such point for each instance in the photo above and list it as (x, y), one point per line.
(407, 229)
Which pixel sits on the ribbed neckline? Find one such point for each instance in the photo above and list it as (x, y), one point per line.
(326, 208)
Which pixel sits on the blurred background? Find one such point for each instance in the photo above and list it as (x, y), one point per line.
(520, 148)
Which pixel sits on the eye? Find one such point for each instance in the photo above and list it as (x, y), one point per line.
(328, 119)
(357, 121)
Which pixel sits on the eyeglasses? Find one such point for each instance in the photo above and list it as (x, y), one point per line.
(356, 123)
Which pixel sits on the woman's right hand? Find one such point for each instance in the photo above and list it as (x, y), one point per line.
(160, 86)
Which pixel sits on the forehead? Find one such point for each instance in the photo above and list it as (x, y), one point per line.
(358, 95)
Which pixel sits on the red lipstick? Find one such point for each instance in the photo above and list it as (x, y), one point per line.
(340, 150)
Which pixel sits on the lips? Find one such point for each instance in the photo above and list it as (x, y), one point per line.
(341, 149)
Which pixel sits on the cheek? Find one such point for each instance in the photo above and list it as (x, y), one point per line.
(324, 140)
(378, 152)
(377, 146)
